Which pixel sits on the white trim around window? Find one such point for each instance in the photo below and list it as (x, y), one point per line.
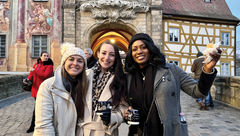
(173, 35)
(225, 69)
(225, 38)
(39, 44)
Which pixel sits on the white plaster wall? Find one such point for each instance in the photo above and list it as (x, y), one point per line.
(202, 31)
(205, 40)
(166, 37)
(183, 39)
(174, 47)
(195, 30)
(186, 29)
(217, 33)
(199, 40)
(229, 51)
(166, 26)
(188, 69)
(186, 49)
(173, 24)
(210, 31)
(184, 60)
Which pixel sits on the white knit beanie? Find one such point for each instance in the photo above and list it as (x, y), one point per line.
(69, 49)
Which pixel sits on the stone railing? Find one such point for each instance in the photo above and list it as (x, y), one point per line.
(227, 90)
(11, 85)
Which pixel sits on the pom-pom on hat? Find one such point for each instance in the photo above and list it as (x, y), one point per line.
(69, 49)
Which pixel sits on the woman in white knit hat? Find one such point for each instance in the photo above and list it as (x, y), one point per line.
(61, 99)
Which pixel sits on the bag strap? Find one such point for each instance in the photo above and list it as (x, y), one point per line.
(152, 103)
(154, 97)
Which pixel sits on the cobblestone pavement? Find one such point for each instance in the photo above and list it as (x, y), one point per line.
(222, 120)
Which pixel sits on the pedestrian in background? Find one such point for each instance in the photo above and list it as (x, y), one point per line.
(108, 83)
(154, 88)
(197, 70)
(41, 70)
(91, 61)
(61, 100)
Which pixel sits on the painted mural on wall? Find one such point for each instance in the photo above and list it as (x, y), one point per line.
(40, 19)
(4, 19)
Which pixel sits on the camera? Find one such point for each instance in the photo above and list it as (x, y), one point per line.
(103, 106)
(133, 117)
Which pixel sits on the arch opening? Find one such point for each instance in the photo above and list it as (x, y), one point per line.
(118, 33)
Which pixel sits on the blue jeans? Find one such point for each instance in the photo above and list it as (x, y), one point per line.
(208, 99)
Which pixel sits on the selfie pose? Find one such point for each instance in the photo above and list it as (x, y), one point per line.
(154, 88)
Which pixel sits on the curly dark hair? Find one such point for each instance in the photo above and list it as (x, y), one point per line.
(157, 59)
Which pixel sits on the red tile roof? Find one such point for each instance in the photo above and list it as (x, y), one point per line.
(217, 9)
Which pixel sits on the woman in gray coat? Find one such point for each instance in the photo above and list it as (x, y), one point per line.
(154, 88)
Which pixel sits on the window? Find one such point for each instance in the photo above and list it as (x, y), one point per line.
(40, 0)
(39, 44)
(225, 69)
(174, 35)
(3, 0)
(2, 46)
(225, 38)
(207, 1)
(174, 61)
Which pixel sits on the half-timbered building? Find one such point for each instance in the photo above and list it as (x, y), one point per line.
(180, 28)
(189, 25)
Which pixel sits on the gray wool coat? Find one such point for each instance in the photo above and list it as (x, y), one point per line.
(167, 85)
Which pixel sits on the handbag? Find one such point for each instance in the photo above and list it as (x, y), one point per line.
(27, 85)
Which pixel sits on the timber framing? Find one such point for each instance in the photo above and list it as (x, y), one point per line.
(194, 34)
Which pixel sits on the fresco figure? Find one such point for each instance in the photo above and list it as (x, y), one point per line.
(40, 20)
(4, 20)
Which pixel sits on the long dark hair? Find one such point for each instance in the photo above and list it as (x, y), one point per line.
(77, 88)
(157, 59)
(118, 86)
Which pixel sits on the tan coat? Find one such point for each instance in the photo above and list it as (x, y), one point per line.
(95, 127)
(197, 67)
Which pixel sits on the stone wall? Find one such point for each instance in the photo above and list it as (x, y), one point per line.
(228, 90)
(10, 85)
(225, 89)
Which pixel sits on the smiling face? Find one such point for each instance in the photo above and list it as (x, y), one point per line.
(106, 56)
(140, 53)
(44, 57)
(74, 65)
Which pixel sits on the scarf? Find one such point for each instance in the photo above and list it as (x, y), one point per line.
(69, 84)
(141, 95)
(99, 83)
(141, 90)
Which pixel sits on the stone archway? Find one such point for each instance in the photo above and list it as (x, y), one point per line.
(118, 32)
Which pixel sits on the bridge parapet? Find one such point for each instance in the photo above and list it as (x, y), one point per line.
(228, 90)
(11, 85)
(225, 89)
